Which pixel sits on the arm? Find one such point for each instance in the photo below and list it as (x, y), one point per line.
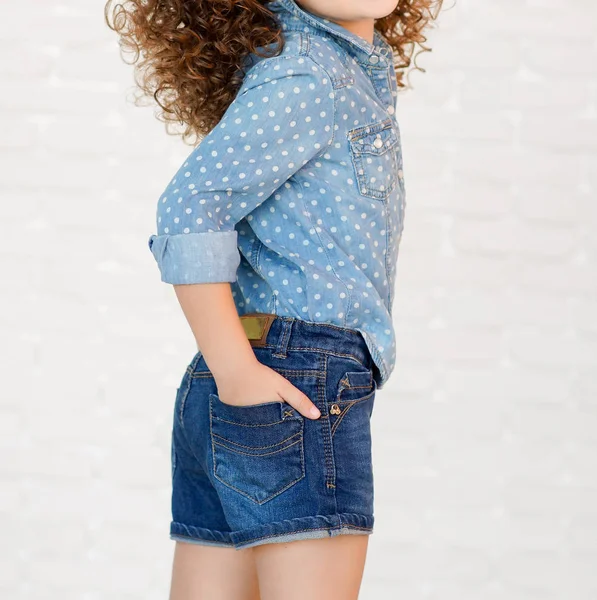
(255, 149)
(240, 378)
(211, 313)
(275, 125)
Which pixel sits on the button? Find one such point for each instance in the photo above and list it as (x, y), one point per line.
(378, 142)
(391, 109)
(374, 59)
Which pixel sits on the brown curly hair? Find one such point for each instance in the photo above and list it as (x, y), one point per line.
(190, 53)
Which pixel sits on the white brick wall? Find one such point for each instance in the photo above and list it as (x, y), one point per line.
(485, 438)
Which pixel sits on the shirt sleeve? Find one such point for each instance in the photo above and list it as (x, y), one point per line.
(281, 118)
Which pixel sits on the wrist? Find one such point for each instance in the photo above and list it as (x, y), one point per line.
(232, 364)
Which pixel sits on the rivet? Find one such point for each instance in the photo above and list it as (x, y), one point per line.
(335, 409)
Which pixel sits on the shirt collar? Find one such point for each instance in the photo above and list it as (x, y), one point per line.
(377, 54)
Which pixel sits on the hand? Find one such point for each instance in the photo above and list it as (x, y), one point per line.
(257, 383)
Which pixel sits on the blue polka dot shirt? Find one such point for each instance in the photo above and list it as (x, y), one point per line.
(296, 198)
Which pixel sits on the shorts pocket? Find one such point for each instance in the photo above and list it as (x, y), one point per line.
(375, 151)
(355, 387)
(354, 384)
(258, 449)
(345, 412)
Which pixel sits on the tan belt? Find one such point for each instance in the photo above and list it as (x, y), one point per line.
(256, 326)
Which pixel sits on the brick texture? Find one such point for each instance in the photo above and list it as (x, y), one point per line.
(485, 439)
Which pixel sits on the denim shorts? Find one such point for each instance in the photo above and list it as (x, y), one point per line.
(249, 475)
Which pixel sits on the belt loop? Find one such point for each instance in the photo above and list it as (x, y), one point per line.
(282, 343)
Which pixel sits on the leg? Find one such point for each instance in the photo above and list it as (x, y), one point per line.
(202, 572)
(327, 568)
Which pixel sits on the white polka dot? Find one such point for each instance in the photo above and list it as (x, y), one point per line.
(283, 175)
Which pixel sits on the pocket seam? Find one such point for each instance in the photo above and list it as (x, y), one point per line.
(216, 418)
(357, 153)
(370, 128)
(346, 379)
(350, 404)
(214, 443)
(284, 441)
(269, 497)
(257, 455)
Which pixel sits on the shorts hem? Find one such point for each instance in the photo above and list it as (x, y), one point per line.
(199, 535)
(302, 528)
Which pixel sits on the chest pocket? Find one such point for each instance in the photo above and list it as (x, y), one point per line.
(375, 151)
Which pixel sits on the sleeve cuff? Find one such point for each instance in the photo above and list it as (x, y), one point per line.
(206, 257)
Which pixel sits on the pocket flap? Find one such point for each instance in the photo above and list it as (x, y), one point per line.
(359, 379)
(354, 385)
(373, 139)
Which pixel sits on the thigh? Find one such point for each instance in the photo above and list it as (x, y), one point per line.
(323, 569)
(213, 573)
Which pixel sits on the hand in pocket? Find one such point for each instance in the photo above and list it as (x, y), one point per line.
(259, 384)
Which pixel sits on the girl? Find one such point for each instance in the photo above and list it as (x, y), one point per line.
(280, 235)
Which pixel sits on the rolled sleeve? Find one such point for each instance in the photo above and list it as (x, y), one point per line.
(281, 118)
(206, 257)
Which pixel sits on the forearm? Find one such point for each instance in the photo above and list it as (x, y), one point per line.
(211, 313)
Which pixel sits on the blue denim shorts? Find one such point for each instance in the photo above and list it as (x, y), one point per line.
(249, 475)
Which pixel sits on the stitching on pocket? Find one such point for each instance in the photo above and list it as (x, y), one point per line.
(347, 408)
(368, 156)
(249, 453)
(298, 457)
(285, 441)
(354, 380)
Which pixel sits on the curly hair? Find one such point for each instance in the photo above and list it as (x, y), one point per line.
(190, 54)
